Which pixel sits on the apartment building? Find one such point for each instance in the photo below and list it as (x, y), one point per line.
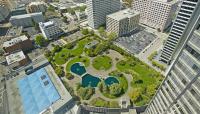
(19, 43)
(36, 7)
(98, 9)
(50, 30)
(122, 22)
(26, 20)
(180, 91)
(181, 29)
(157, 14)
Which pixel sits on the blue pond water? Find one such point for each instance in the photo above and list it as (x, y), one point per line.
(110, 80)
(78, 69)
(90, 81)
(37, 92)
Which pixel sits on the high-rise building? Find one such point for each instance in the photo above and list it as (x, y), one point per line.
(180, 91)
(122, 22)
(156, 13)
(181, 29)
(98, 9)
(36, 7)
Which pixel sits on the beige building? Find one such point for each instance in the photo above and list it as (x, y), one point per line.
(122, 22)
(36, 7)
(17, 59)
(156, 13)
(98, 9)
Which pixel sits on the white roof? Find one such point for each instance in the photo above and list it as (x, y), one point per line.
(127, 13)
(15, 57)
(25, 15)
(37, 3)
(46, 24)
(15, 41)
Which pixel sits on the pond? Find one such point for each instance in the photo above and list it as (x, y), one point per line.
(110, 80)
(78, 69)
(90, 81)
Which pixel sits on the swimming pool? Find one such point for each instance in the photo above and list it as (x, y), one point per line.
(78, 69)
(110, 80)
(90, 81)
(37, 92)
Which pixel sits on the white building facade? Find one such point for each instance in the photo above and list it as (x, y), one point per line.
(122, 22)
(98, 9)
(156, 13)
(50, 30)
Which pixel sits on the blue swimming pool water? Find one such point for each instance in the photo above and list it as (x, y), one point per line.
(90, 81)
(37, 92)
(78, 69)
(110, 80)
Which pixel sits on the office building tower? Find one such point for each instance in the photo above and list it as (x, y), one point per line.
(181, 29)
(122, 22)
(156, 13)
(180, 91)
(98, 9)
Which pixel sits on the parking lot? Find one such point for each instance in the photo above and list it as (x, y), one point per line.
(136, 41)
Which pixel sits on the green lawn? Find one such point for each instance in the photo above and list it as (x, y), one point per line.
(62, 57)
(102, 62)
(84, 60)
(145, 79)
(99, 102)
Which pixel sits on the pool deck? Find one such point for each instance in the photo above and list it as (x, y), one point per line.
(14, 99)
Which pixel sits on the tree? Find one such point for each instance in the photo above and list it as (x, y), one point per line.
(57, 48)
(102, 31)
(71, 11)
(115, 89)
(112, 36)
(135, 95)
(40, 40)
(59, 71)
(82, 8)
(69, 76)
(84, 31)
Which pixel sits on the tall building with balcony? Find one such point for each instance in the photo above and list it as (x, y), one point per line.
(122, 22)
(180, 91)
(181, 29)
(98, 9)
(157, 14)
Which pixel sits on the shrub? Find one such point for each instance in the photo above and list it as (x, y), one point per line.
(69, 76)
(85, 93)
(115, 89)
(59, 71)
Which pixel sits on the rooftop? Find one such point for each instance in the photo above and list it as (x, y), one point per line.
(15, 97)
(46, 24)
(15, 57)
(15, 41)
(36, 3)
(14, 31)
(25, 15)
(127, 13)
